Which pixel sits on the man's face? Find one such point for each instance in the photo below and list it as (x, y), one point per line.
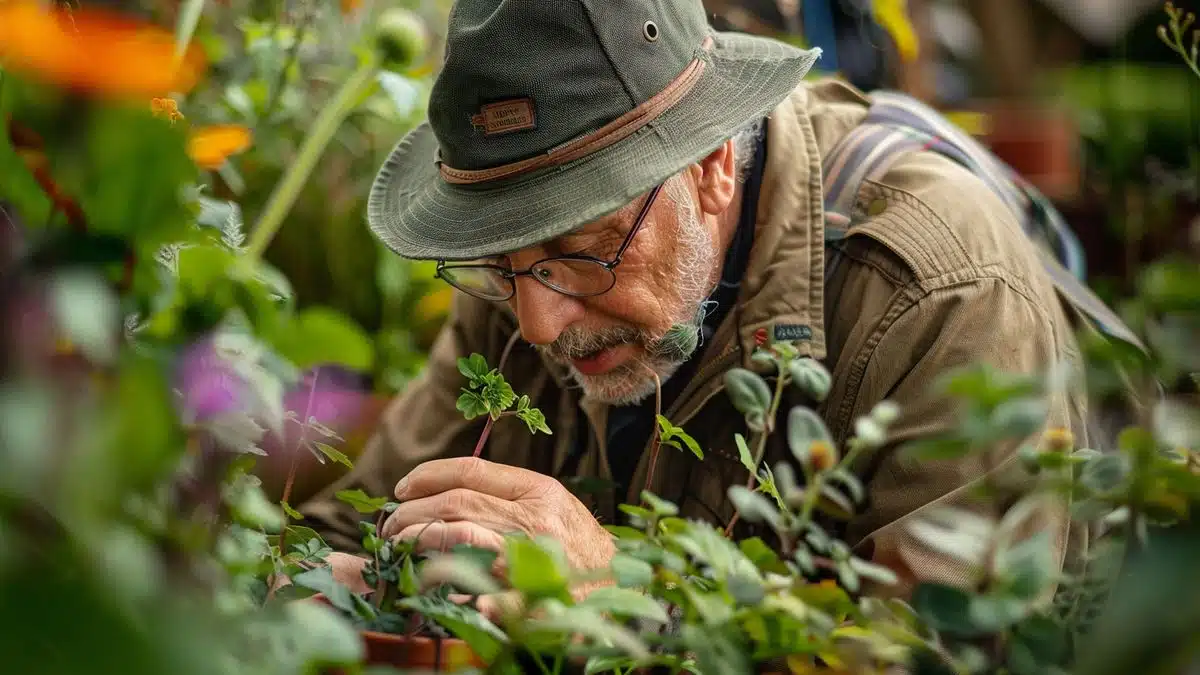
(650, 318)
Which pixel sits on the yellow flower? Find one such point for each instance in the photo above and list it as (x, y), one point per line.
(209, 147)
(1058, 439)
(94, 51)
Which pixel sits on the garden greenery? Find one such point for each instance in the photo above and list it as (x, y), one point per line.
(147, 351)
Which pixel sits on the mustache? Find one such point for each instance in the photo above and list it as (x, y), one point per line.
(578, 343)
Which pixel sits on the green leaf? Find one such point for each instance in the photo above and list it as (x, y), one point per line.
(945, 609)
(471, 405)
(87, 313)
(625, 602)
(805, 427)
(631, 572)
(748, 391)
(360, 501)
(1044, 638)
(291, 513)
(1105, 474)
(996, 612)
(534, 570)
(717, 651)
(658, 505)
(605, 664)
(744, 454)
(955, 532)
(534, 419)
(877, 573)
(1019, 418)
(669, 432)
(754, 507)
(321, 336)
(850, 482)
(1029, 565)
(329, 639)
(462, 572)
(746, 590)
(810, 377)
(844, 507)
(474, 367)
(467, 624)
(320, 579)
(333, 453)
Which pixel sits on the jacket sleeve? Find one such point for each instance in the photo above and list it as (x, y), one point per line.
(982, 321)
(418, 425)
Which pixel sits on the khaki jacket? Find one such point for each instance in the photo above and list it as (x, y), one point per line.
(936, 275)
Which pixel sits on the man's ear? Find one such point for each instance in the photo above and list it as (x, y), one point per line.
(715, 178)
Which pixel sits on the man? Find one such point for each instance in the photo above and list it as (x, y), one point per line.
(607, 176)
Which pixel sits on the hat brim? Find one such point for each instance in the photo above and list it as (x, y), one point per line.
(418, 215)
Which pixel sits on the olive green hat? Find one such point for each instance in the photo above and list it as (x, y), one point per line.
(549, 114)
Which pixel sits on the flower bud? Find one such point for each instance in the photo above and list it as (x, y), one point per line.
(1058, 440)
(822, 456)
(401, 38)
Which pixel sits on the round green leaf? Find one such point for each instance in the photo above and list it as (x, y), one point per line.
(804, 427)
(810, 377)
(749, 392)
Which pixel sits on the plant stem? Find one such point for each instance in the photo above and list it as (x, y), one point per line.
(487, 430)
(761, 446)
(656, 440)
(292, 465)
(508, 347)
(540, 663)
(322, 131)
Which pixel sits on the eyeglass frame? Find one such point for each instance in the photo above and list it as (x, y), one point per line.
(511, 275)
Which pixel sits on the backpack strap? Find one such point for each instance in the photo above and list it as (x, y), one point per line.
(897, 124)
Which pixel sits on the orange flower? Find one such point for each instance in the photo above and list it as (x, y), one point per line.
(349, 6)
(94, 51)
(209, 147)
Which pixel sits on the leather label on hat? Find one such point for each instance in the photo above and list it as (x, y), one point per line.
(504, 117)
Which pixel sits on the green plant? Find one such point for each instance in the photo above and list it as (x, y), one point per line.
(1174, 35)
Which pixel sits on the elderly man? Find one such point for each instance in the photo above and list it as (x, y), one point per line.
(605, 176)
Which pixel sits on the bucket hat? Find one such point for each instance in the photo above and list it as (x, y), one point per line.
(550, 114)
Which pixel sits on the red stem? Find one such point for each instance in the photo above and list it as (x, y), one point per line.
(487, 429)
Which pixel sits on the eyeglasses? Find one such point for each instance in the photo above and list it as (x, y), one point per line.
(574, 275)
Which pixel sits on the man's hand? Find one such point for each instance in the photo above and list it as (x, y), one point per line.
(471, 501)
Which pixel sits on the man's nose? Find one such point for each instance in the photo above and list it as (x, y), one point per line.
(543, 313)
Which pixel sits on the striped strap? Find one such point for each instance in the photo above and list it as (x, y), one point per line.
(897, 124)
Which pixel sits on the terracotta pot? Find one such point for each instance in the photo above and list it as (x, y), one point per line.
(1040, 142)
(439, 655)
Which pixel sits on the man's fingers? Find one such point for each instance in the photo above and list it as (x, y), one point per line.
(453, 505)
(440, 536)
(499, 480)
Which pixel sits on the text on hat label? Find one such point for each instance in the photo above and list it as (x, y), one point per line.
(504, 117)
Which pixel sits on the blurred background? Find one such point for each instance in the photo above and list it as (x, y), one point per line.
(1081, 96)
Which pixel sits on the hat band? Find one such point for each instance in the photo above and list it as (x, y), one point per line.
(616, 130)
